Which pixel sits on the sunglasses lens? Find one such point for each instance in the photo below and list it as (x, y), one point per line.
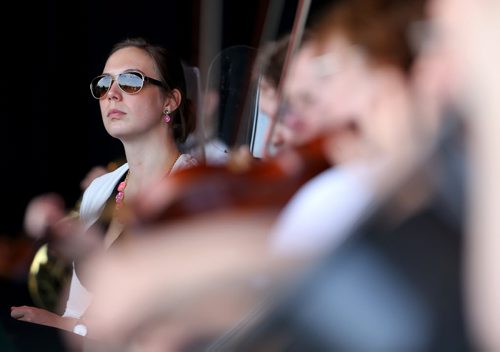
(100, 86)
(130, 82)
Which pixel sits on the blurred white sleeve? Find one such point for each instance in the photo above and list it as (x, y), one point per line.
(323, 212)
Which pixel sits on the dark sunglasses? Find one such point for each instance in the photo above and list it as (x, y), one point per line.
(131, 82)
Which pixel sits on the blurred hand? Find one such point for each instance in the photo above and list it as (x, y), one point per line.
(43, 212)
(41, 316)
(47, 218)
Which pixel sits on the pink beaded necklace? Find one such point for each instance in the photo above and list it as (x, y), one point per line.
(120, 196)
(121, 192)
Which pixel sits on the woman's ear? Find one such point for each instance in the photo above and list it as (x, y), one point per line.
(174, 100)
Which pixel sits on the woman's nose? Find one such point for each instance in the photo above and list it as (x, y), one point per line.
(114, 92)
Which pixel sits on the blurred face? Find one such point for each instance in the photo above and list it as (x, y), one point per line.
(128, 116)
(331, 90)
(352, 89)
(344, 86)
(301, 117)
(282, 138)
(268, 99)
(325, 90)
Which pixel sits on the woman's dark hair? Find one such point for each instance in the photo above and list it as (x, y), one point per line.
(172, 75)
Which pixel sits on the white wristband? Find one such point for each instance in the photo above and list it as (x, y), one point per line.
(80, 329)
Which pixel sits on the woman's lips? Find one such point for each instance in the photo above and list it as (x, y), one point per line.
(115, 113)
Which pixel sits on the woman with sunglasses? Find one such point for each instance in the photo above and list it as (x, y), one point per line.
(142, 97)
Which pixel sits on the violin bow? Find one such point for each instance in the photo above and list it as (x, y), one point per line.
(295, 38)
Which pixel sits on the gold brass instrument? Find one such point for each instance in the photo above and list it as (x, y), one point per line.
(48, 279)
(49, 274)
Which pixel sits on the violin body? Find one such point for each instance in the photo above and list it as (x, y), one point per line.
(252, 184)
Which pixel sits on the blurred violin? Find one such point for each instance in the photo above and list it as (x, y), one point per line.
(244, 183)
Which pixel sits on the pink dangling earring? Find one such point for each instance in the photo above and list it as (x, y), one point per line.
(166, 115)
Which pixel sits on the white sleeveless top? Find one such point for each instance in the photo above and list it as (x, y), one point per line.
(93, 203)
